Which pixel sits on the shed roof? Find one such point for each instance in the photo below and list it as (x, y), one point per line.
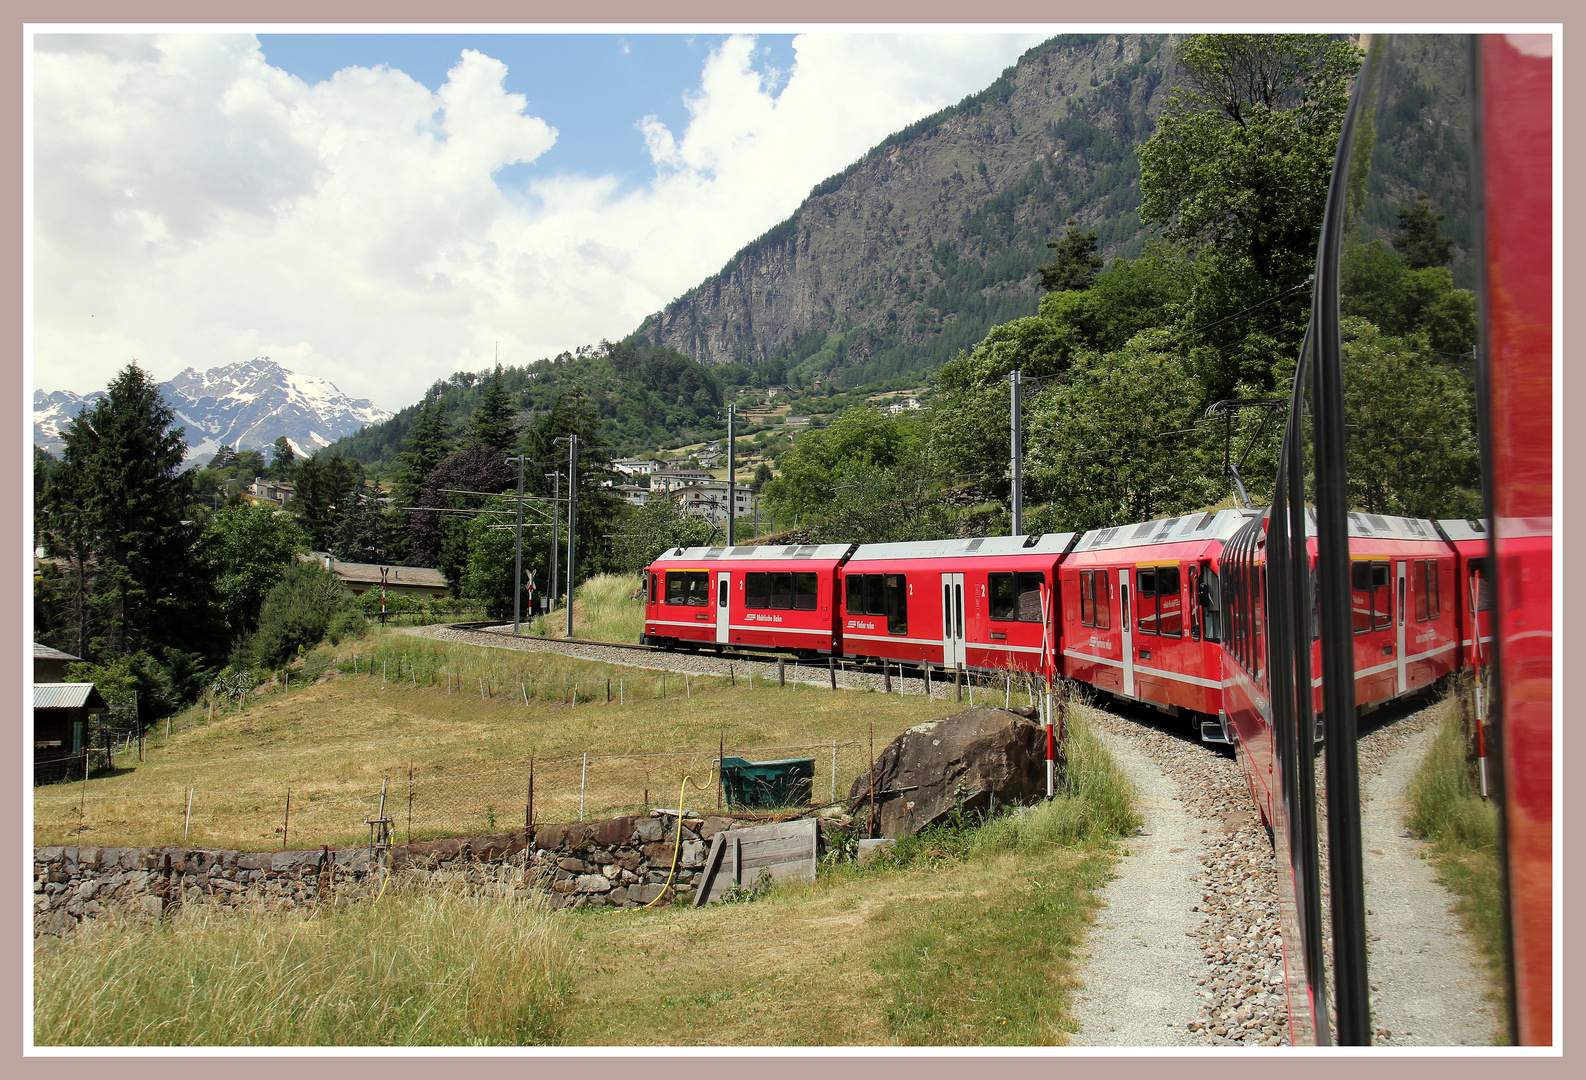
(44, 652)
(68, 695)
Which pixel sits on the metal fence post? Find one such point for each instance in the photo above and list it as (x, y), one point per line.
(187, 821)
(831, 666)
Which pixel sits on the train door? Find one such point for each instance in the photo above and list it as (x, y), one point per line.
(953, 653)
(1125, 633)
(723, 604)
(1402, 682)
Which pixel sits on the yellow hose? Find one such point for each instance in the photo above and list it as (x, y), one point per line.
(677, 845)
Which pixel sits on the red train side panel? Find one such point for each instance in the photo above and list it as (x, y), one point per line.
(746, 597)
(978, 603)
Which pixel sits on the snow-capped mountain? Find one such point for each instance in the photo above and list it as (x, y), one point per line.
(247, 405)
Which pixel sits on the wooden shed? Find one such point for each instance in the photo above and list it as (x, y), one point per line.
(60, 725)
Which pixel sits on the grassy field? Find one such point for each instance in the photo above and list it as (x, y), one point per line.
(462, 722)
(604, 609)
(1447, 811)
(959, 936)
(419, 968)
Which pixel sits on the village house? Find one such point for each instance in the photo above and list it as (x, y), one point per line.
(710, 501)
(358, 578)
(60, 716)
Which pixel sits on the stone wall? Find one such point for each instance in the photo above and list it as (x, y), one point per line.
(622, 862)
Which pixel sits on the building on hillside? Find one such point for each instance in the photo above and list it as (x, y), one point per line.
(277, 492)
(632, 494)
(902, 405)
(710, 501)
(358, 578)
(796, 421)
(675, 479)
(636, 466)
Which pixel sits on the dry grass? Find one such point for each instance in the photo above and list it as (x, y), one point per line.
(422, 966)
(333, 742)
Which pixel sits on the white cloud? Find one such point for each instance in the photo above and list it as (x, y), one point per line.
(195, 206)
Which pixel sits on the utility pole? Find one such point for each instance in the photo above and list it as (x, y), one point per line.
(517, 554)
(1018, 455)
(732, 472)
(572, 519)
(556, 533)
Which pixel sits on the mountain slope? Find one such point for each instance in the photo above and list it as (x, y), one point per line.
(920, 247)
(246, 405)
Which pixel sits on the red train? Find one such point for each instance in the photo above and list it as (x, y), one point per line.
(1270, 628)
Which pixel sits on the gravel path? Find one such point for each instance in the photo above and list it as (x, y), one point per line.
(1147, 950)
(1187, 951)
(1425, 977)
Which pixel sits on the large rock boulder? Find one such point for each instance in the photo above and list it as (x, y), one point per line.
(975, 755)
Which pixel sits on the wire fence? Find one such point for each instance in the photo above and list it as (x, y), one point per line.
(425, 800)
(458, 796)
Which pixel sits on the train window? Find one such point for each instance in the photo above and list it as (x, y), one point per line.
(1003, 594)
(691, 587)
(1209, 597)
(1087, 598)
(1434, 595)
(650, 595)
(1015, 597)
(897, 603)
(1371, 598)
(1169, 605)
(1030, 585)
(855, 584)
(1422, 589)
(1103, 600)
(875, 602)
(1145, 601)
(1484, 597)
(781, 591)
(805, 584)
(757, 591)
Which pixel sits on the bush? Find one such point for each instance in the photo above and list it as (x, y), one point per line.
(296, 614)
(347, 624)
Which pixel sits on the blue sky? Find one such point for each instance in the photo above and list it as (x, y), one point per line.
(382, 210)
(593, 88)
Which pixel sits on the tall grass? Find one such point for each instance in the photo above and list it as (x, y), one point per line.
(423, 966)
(1448, 812)
(604, 610)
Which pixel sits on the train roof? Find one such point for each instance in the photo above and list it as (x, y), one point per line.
(1461, 528)
(746, 552)
(1211, 525)
(1053, 544)
(1387, 526)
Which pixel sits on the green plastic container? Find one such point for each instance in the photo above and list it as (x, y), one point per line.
(767, 785)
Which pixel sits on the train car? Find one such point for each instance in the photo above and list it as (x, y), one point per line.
(1403, 580)
(981, 603)
(1473, 583)
(1141, 618)
(780, 598)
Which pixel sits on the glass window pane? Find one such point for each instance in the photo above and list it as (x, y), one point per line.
(1145, 600)
(855, 584)
(676, 587)
(897, 604)
(1030, 585)
(756, 591)
(1103, 600)
(804, 590)
(782, 591)
(1003, 601)
(699, 589)
(1169, 604)
(875, 603)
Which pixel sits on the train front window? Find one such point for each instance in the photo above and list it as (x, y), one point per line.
(1169, 605)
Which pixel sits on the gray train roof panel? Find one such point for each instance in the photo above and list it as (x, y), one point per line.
(1462, 529)
(747, 552)
(1389, 527)
(1053, 544)
(1210, 525)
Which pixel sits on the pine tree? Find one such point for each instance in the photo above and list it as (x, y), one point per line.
(1417, 239)
(427, 446)
(115, 514)
(359, 535)
(491, 424)
(1077, 263)
(283, 464)
(325, 482)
